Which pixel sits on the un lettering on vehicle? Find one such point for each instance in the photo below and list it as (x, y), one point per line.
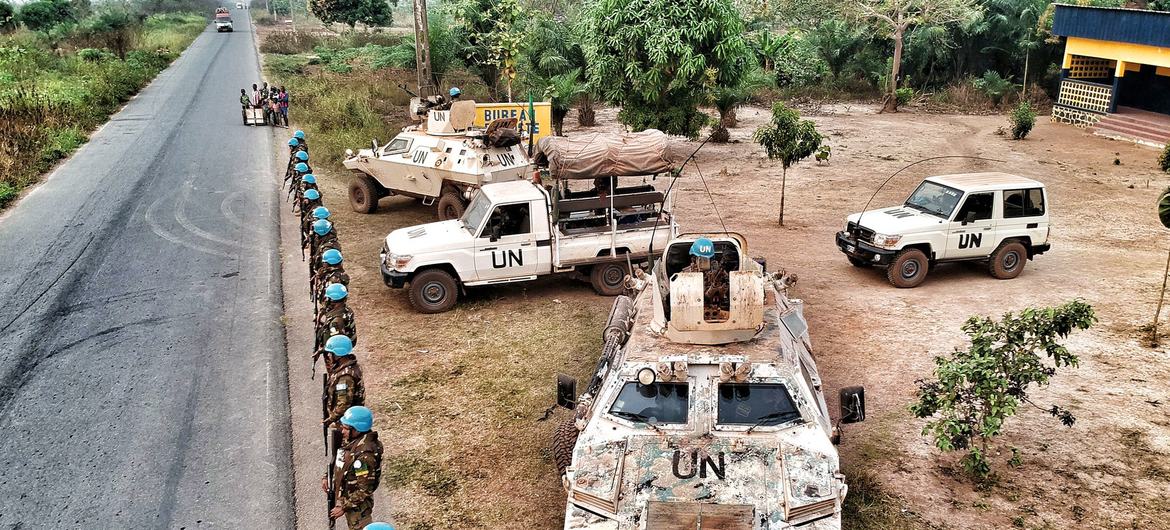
(970, 240)
(506, 159)
(507, 258)
(702, 466)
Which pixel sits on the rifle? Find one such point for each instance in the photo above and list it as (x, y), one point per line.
(407, 90)
(303, 249)
(325, 413)
(331, 448)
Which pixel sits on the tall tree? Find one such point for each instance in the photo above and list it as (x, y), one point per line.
(789, 139)
(7, 17)
(44, 14)
(494, 37)
(354, 12)
(659, 59)
(894, 18)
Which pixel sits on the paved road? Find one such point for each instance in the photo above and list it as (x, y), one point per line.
(143, 379)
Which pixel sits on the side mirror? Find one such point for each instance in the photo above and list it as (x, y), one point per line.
(852, 400)
(566, 391)
(970, 218)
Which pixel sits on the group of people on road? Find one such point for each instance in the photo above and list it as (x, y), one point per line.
(272, 100)
(355, 453)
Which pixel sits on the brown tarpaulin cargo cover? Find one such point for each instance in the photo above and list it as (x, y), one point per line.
(589, 156)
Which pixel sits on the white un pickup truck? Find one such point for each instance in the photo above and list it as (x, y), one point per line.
(998, 218)
(516, 231)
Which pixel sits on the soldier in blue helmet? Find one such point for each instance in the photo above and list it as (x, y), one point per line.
(357, 469)
(329, 270)
(334, 318)
(343, 380)
(716, 289)
(322, 236)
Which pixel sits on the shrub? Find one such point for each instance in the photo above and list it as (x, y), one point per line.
(904, 95)
(7, 193)
(1023, 118)
(993, 85)
(93, 55)
(290, 42)
(286, 64)
(44, 14)
(7, 17)
(1164, 159)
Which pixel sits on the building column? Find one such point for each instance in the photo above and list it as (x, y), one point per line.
(1118, 73)
(1065, 65)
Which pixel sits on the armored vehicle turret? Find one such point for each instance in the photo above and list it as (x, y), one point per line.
(706, 408)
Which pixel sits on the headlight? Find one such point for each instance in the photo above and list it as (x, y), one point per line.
(885, 240)
(398, 261)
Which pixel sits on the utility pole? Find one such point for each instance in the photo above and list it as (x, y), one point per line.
(422, 50)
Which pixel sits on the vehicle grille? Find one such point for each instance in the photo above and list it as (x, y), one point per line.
(861, 233)
(808, 512)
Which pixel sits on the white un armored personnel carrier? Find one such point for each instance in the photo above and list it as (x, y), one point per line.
(440, 162)
(706, 410)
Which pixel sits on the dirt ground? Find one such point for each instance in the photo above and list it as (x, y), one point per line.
(459, 396)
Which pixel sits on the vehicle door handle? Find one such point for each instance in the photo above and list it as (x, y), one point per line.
(1033, 225)
(526, 244)
(988, 228)
(485, 249)
(960, 231)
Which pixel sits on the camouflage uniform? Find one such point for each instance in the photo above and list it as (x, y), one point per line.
(716, 289)
(319, 244)
(358, 471)
(335, 319)
(344, 388)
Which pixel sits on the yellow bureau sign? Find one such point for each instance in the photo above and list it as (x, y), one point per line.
(486, 112)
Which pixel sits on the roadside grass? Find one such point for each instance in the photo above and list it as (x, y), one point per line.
(464, 403)
(50, 100)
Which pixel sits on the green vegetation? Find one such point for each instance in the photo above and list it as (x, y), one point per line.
(661, 77)
(352, 12)
(789, 139)
(1164, 159)
(978, 389)
(50, 100)
(1023, 118)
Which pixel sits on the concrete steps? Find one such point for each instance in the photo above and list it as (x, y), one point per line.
(1135, 125)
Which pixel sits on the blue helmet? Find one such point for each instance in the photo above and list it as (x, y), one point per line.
(293, 142)
(321, 212)
(301, 167)
(300, 135)
(454, 91)
(322, 227)
(312, 195)
(703, 248)
(302, 156)
(339, 345)
(379, 526)
(310, 178)
(336, 291)
(359, 418)
(331, 256)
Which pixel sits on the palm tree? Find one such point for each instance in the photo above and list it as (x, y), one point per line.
(563, 92)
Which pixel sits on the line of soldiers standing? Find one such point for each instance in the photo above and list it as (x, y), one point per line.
(351, 444)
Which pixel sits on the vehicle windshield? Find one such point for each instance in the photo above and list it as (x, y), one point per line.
(755, 404)
(473, 217)
(654, 403)
(934, 198)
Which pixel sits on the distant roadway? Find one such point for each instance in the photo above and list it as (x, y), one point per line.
(143, 379)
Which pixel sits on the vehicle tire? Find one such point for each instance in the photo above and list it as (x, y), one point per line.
(1007, 261)
(858, 262)
(908, 269)
(433, 291)
(364, 194)
(563, 440)
(450, 206)
(609, 279)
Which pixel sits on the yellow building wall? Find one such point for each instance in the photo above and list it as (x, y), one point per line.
(1117, 51)
(486, 112)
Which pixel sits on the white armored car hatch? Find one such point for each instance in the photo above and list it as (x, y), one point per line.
(703, 414)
